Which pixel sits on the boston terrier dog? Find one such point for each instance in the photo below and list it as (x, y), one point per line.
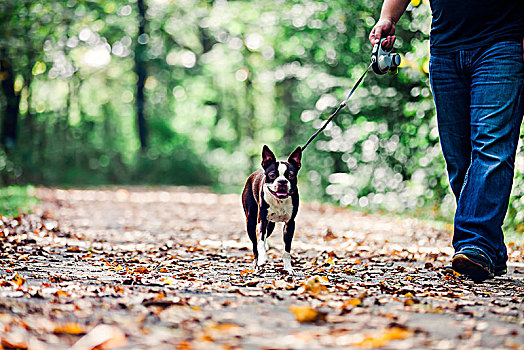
(270, 196)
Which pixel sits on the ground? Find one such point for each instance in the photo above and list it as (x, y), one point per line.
(145, 268)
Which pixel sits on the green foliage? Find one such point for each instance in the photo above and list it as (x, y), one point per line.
(224, 78)
(17, 199)
(515, 217)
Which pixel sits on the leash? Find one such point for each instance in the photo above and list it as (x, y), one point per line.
(342, 105)
(382, 61)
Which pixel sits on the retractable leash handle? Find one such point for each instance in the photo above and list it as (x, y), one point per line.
(383, 61)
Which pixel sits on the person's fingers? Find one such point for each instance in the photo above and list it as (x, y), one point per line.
(372, 36)
(385, 43)
(376, 32)
(382, 29)
(388, 43)
(375, 35)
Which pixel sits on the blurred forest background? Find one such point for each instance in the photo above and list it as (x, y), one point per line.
(188, 91)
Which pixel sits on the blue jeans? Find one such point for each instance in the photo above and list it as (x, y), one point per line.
(479, 96)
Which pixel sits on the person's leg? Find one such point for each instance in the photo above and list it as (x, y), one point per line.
(452, 95)
(497, 105)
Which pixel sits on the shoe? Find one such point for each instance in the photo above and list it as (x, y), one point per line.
(474, 263)
(497, 272)
(500, 270)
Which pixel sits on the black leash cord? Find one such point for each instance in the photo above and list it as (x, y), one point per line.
(342, 105)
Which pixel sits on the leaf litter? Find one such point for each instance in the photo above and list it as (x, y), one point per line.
(164, 268)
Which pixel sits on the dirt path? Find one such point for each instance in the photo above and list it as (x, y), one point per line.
(172, 268)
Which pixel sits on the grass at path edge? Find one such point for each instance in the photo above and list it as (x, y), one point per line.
(17, 199)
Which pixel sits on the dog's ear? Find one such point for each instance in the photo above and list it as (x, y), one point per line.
(268, 157)
(295, 157)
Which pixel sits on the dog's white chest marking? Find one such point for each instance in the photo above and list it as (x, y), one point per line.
(280, 210)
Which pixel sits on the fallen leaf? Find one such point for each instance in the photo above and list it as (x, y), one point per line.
(62, 293)
(141, 269)
(13, 344)
(69, 328)
(307, 314)
(184, 346)
(351, 302)
(245, 272)
(17, 280)
(316, 284)
(380, 339)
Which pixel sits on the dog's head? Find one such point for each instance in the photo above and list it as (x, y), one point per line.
(281, 177)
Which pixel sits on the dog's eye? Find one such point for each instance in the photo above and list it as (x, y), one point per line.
(272, 175)
(291, 175)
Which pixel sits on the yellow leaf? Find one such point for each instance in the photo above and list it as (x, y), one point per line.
(425, 66)
(17, 280)
(62, 293)
(119, 289)
(7, 343)
(323, 279)
(184, 346)
(381, 339)
(19, 84)
(224, 327)
(316, 284)
(409, 302)
(159, 296)
(69, 328)
(207, 337)
(39, 68)
(415, 2)
(352, 302)
(307, 314)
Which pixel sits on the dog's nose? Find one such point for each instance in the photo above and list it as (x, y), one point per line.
(282, 182)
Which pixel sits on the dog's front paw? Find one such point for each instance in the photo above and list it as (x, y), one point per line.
(286, 259)
(262, 260)
(262, 255)
(258, 269)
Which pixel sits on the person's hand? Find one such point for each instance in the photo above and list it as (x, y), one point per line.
(385, 28)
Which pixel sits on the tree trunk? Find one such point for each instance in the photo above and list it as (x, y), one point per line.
(11, 111)
(140, 69)
(290, 127)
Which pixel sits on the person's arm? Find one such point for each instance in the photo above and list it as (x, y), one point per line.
(391, 12)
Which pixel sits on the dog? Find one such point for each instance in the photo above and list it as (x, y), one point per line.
(271, 195)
